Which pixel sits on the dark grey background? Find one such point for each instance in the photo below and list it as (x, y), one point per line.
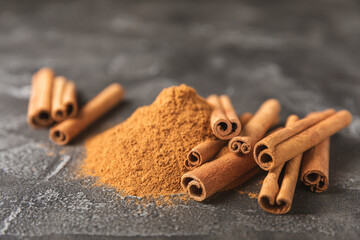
(305, 53)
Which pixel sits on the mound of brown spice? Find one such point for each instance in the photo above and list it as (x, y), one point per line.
(144, 155)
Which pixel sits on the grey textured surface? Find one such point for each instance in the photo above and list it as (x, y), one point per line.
(305, 53)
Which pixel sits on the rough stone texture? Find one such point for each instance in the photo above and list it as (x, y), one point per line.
(305, 53)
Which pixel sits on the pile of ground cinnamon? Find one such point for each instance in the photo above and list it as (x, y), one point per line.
(144, 156)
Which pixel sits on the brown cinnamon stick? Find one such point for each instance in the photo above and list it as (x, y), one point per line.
(243, 178)
(245, 118)
(277, 148)
(224, 121)
(63, 132)
(205, 151)
(64, 103)
(70, 99)
(211, 177)
(275, 199)
(264, 118)
(315, 167)
(39, 109)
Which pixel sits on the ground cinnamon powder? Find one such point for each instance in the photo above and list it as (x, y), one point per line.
(144, 155)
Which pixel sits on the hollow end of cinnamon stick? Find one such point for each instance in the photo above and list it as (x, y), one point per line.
(58, 136)
(203, 153)
(316, 180)
(266, 160)
(71, 108)
(237, 145)
(263, 157)
(40, 119)
(224, 121)
(245, 148)
(222, 127)
(193, 160)
(315, 167)
(59, 113)
(194, 187)
(274, 207)
(39, 108)
(312, 177)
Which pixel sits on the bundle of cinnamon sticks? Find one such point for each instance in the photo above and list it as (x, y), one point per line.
(243, 147)
(53, 100)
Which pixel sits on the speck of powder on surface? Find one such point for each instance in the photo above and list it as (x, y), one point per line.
(250, 194)
(144, 155)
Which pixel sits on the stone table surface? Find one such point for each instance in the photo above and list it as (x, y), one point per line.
(305, 53)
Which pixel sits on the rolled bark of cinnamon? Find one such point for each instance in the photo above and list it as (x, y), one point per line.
(204, 181)
(277, 148)
(64, 102)
(264, 118)
(315, 167)
(205, 151)
(39, 109)
(243, 178)
(224, 121)
(63, 132)
(275, 199)
(245, 118)
(70, 99)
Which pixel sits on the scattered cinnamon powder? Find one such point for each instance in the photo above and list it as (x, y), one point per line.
(144, 155)
(253, 194)
(250, 194)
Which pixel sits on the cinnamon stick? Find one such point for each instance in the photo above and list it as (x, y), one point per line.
(277, 148)
(245, 117)
(39, 109)
(278, 199)
(211, 177)
(264, 118)
(70, 99)
(224, 121)
(64, 103)
(315, 167)
(63, 132)
(243, 178)
(205, 151)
